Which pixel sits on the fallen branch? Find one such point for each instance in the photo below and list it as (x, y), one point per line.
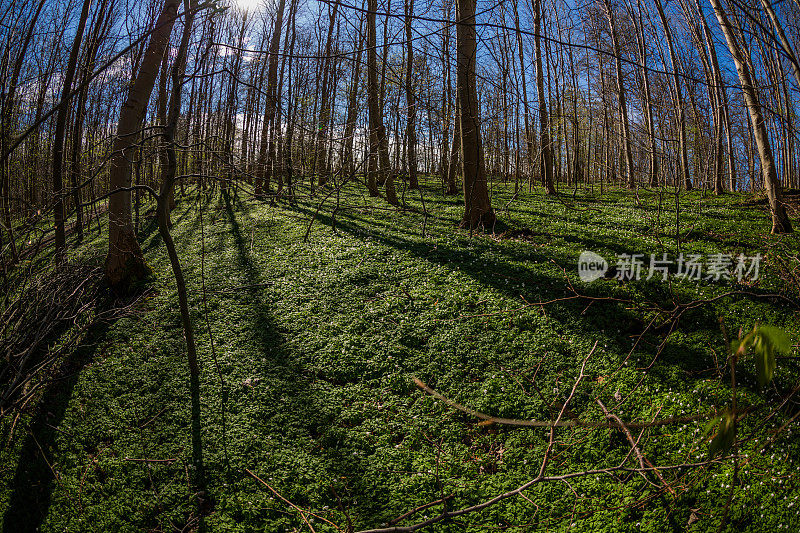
(302, 512)
(489, 419)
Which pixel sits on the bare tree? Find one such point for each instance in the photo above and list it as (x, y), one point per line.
(544, 122)
(320, 155)
(630, 176)
(678, 95)
(264, 157)
(125, 263)
(769, 172)
(61, 128)
(6, 110)
(411, 121)
(477, 207)
(379, 144)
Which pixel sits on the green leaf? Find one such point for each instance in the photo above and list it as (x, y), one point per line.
(767, 341)
(711, 425)
(723, 440)
(777, 337)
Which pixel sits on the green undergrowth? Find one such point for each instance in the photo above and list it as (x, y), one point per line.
(308, 350)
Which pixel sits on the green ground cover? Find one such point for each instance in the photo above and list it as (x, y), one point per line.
(308, 383)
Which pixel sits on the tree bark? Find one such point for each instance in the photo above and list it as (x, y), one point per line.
(780, 220)
(477, 208)
(411, 122)
(125, 263)
(544, 122)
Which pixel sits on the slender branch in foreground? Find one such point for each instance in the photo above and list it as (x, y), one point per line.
(302, 512)
(518, 490)
(634, 445)
(489, 419)
(420, 508)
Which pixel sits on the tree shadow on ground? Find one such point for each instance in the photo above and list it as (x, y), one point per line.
(36, 476)
(276, 399)
(611, 321)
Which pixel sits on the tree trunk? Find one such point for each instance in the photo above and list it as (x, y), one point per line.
(352, 107)
(171, 125)
(477, 208)
(676, 87)
(780, 220)
(6, 112)
(411, 123)
(528, 130)
(452, 163)
(100, 28)
(721, 112)
(630, 176)
(167, 186)
(544, 126)
(264, 157)
(125, 263)
(784, 42)
(320, 156)
(379, 147)
(61, 128)
(641, 43)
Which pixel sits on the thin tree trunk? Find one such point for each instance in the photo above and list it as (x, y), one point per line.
(411, 122)
(544, 123)
(352, 106)
(324, 113)
(630, 176)
(6, 111)
(60, 131)
(721, 113)
(648, 99)
(784, 42)
(780, 220)
(529, 135)
(379, 148)
(167, 186)
(125, 263)
(684, 158)
(455, 147)
(264, 158)
(477, 208)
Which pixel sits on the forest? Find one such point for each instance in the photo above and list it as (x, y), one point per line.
(370, 266)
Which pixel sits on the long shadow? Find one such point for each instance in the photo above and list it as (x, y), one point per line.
(542, 286)
(286, 405)
(596, 243)
(281, 397)
(35, 478)
(492, 270)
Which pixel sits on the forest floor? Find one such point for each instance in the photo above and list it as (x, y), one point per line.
(308, 350)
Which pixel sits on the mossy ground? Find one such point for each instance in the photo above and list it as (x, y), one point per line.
(317, 342)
